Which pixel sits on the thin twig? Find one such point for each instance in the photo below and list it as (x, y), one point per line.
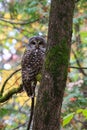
(21, 125)
(3, 86)
(13, 83)
(24, 103)
(74, 67)
(78, 63)
(18, 23)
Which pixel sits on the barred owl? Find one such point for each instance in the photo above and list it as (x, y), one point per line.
(32, 62)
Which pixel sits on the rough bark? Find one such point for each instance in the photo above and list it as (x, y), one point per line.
(50, 96)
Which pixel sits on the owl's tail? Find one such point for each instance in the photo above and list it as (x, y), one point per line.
(29, 89)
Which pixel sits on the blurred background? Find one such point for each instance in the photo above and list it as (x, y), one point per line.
(20, 20)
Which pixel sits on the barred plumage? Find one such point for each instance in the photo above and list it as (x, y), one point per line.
(32, 62)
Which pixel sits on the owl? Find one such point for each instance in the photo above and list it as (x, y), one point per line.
(32, 62)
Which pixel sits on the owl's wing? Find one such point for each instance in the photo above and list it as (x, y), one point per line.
(28, 65)
(28, 71)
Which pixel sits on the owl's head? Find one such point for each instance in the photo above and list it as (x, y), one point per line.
(37, 43)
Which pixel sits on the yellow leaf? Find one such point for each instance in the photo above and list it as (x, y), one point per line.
(10, 40)
(81, 10)
(7, 16)
(35, 25)
(19, 17)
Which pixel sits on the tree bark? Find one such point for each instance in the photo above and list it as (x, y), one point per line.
(50, 96)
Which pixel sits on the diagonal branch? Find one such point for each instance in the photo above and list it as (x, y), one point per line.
(21, 125)
(3, 86)
(8, 95)
(78, 63)
(18, 23)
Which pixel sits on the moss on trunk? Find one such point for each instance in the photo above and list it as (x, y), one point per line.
(57, 56)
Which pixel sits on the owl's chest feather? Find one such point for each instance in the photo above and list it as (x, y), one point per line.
(35, 59)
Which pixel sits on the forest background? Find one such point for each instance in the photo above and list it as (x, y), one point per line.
(19, 20)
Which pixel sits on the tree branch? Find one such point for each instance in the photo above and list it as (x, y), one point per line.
(74, 67)
(8, 95)
(78, 63)
(18, 23)
(3, 86)
(21, 125)
(24, 104)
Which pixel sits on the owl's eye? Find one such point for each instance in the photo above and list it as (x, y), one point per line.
(40, 43)
(33, 43)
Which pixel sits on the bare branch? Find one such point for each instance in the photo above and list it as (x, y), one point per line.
(78, 63)
(74, 67)
(24, 103)
(21, 125)
(8, 95)
(3, 86)
(18, 23)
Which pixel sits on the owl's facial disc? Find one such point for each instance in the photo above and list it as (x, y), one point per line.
(37, 43)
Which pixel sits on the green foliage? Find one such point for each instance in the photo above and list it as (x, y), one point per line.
(75, 99)
(84, 38)
(4, 112)
(67, 119)
(83, 111)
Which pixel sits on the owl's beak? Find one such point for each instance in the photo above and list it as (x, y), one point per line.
(37, 46)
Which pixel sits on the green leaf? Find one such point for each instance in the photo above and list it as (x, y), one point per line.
(31, 10)
(79, 111)
(3, 112)
(68, 118)
(84, 112)
(6, 111)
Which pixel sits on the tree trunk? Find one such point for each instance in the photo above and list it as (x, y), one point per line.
(50, 95)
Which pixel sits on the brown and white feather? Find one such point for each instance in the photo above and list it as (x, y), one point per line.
(32, 62)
